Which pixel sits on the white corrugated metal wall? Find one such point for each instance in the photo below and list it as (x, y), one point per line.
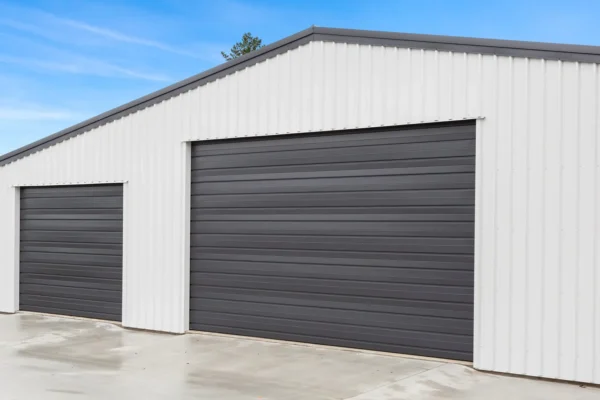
(537, 282)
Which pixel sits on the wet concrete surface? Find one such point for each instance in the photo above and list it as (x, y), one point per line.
(44, 357)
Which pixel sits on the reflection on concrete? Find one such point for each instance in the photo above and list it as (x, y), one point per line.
(253, 369)
(84, 344)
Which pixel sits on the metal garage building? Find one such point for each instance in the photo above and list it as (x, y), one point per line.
(415, 194)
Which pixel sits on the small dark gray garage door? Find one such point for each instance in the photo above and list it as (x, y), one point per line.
(72, 250)
(358, 239)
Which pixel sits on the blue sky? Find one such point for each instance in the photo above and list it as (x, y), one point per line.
(64, 61)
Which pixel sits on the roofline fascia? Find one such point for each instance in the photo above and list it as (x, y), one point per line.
(547, 51)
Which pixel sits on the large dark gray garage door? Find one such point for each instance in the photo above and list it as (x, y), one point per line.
(71, 250)
(361, 239)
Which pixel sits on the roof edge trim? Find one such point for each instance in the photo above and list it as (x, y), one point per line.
(547, 51)
(462, 41)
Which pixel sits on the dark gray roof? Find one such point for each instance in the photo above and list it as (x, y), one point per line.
(566, 52)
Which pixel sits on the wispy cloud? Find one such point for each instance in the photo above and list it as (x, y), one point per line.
(80, 33)
(77, 33)
(134, 73)
(121, 37)
(103, 32)
(22, 26)
(37, 113)
(83, 66)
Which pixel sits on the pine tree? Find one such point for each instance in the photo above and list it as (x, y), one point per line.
(248, 44)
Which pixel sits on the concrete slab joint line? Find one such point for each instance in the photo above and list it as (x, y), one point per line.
(387, 385)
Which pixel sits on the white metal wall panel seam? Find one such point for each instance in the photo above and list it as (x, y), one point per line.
(184, 235)
(586, 219)
(569, 211)
(534, 214)
(596, 234)
(480, 187)
(16, 208)
(126, 269)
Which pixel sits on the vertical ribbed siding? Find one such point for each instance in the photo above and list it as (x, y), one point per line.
(537, 285)
(537, 281)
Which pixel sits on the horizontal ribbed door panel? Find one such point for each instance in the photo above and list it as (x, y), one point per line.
(71, 250)
(360, 239)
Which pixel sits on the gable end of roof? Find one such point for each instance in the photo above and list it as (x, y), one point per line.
(550, 51)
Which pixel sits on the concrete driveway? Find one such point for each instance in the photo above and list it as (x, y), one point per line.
(48, 358)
